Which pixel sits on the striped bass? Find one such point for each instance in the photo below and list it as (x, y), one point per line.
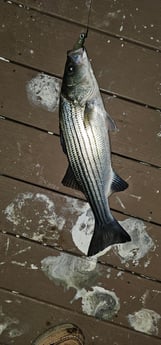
(84, 133)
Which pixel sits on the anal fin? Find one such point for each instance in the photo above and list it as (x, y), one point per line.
(118, 184)
(69, 180)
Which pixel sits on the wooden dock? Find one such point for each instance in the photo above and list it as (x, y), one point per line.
(45, 228)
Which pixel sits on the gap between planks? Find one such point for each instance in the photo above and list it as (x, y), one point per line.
(103, 91)
(59, 251)
(83, 26)
(57, 135)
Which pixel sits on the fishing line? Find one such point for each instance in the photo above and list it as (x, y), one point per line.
(83, 35)
(88, 18)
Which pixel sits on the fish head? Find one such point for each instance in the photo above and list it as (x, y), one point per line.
(77, 81)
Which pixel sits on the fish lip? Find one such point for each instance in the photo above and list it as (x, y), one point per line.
(77, 55)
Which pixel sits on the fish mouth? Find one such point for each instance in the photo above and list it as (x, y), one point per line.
(77, 56)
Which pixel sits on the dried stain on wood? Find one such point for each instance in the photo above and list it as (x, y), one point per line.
(44, 216)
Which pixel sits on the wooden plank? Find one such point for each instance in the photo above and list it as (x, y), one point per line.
(50, 218)
(139, 134)
(34, 32)
(77, 11)
(139, 20)
(26, 154)
(139, 127)
(136, 20)
(129, 70)
(15, 102)
(35, 317)
(32, 269)
(36, 157)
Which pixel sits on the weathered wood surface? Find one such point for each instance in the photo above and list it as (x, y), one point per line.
(20, 309)
(31, 30)
(15, 102)
(24, 261)
(75, 11)
(136, 20)
(139, 127)
(39, 218)
(50, 218)
(37, 157)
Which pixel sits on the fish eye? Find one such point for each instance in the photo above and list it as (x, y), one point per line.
(70, 69)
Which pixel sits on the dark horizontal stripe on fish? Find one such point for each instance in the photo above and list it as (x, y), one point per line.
(93, 192)
(94, 181)
(73, 150)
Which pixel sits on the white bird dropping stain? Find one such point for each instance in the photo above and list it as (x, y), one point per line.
(70, 271)
(100, 303)
(145, 320)
(7, 324)
(43, 91)
(81, 274)
(141, 243)
(38, 209)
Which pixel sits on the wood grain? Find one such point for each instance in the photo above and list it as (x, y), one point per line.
(138, 21)
(41, 41)
(44, 316)
(139, 127)
(24, 211)
(24, 261)
(39, 218)
(36, 157)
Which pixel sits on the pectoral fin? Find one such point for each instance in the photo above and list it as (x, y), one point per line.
(69, 180)
(95, 109)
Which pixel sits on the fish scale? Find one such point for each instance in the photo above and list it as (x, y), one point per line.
(84, 131)
(82, 158)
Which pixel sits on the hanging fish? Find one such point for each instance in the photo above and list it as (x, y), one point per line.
(84, 127)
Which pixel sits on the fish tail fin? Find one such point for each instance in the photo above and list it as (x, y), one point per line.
(106, 235)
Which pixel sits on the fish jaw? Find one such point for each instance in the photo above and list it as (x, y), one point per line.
(79, 84)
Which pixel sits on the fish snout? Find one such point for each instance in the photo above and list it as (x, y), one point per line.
(76, 56)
